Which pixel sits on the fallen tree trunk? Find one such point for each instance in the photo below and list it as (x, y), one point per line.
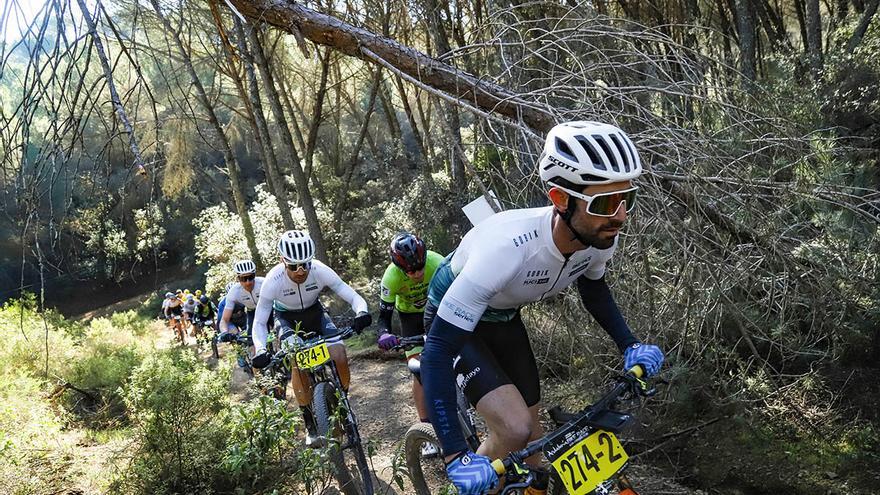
(351, 40)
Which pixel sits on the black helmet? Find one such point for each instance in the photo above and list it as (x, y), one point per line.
(408, 252)
(203, 299)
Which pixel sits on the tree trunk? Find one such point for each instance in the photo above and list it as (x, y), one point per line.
(862, 28)
(352, 162)
(453, 123)
(390, 113)
(317, 111)
(417, 136)
(299, 177)
(814, 36)
(114, 94)
(270, 164)
(747, 49)
(226, 148)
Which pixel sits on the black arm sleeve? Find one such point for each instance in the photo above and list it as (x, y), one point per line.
(386, 310)
(597, 299)
(444, 342)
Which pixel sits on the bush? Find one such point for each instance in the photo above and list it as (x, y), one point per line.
(178, 408)
(263, 434)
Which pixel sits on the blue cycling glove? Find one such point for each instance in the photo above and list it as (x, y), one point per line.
(649, 356)
(472, 474)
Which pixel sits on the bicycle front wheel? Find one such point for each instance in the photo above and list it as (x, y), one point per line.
(325, 406)
(424, 460)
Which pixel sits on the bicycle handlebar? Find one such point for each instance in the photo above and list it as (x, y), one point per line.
(407, 343)
(341, 335)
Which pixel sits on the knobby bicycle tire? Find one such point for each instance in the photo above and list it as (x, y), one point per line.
(361, 459)
(427, 474)
(324, 405)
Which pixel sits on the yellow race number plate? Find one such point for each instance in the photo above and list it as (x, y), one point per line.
(312, 357)
(591, 461)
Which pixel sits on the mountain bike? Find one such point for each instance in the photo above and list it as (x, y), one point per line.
(241, 343)
(424, 461)
(337, 424)
(584, 452)
(177, 326)
(201, 328)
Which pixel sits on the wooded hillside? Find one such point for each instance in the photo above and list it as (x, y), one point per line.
(147, 137)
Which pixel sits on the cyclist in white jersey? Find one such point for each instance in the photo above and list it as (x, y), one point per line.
(290, 292)
(246, 293)
(515, 258)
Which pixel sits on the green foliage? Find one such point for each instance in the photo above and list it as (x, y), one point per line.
(262, 434)
(178, 411)
(219, 241)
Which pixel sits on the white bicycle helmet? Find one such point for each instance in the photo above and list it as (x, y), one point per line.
(296, 246)
(243, 267)
(585, 152)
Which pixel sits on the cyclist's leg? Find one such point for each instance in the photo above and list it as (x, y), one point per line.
(299, 381)
(514, 353)
(500, 400)
(337, 351)
(411, 324)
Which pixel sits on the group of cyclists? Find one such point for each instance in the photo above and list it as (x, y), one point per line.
(468, 302)
(183, 310)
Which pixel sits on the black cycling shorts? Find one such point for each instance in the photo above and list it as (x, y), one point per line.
(499, 353)
(411, 324)
(176, 310)
(312, 321)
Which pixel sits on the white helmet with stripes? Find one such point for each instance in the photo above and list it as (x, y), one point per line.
(584, 152)
(296, 246)
(243, 267)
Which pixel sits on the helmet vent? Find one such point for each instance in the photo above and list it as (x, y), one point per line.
(623, 154)
(563, 149)
(608, 153)
(594, 157)
(590, 178)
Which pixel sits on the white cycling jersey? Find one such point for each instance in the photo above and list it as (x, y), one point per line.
(282, 293)
(237, 295)
(507, 261)
(189, 307)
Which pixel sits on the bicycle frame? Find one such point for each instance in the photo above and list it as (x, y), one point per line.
(465, 411)
(598, 416)
(326, 372)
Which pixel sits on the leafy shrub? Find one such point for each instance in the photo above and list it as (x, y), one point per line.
(178, 408)
(262, 435)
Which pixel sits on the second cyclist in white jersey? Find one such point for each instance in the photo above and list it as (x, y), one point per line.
(245, 293)
(291, 291)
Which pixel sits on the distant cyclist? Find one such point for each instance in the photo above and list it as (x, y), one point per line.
(514, 258)
(174, 306)
(205, 310)
(291, 291)
(405, 287)
(237, 324)
(189, 307)
(165, 303)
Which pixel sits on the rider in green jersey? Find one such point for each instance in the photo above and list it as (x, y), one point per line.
(405, 287)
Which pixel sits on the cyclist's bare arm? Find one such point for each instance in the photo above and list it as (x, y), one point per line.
(226, 317)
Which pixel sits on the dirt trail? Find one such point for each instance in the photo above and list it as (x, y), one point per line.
(381, 397)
